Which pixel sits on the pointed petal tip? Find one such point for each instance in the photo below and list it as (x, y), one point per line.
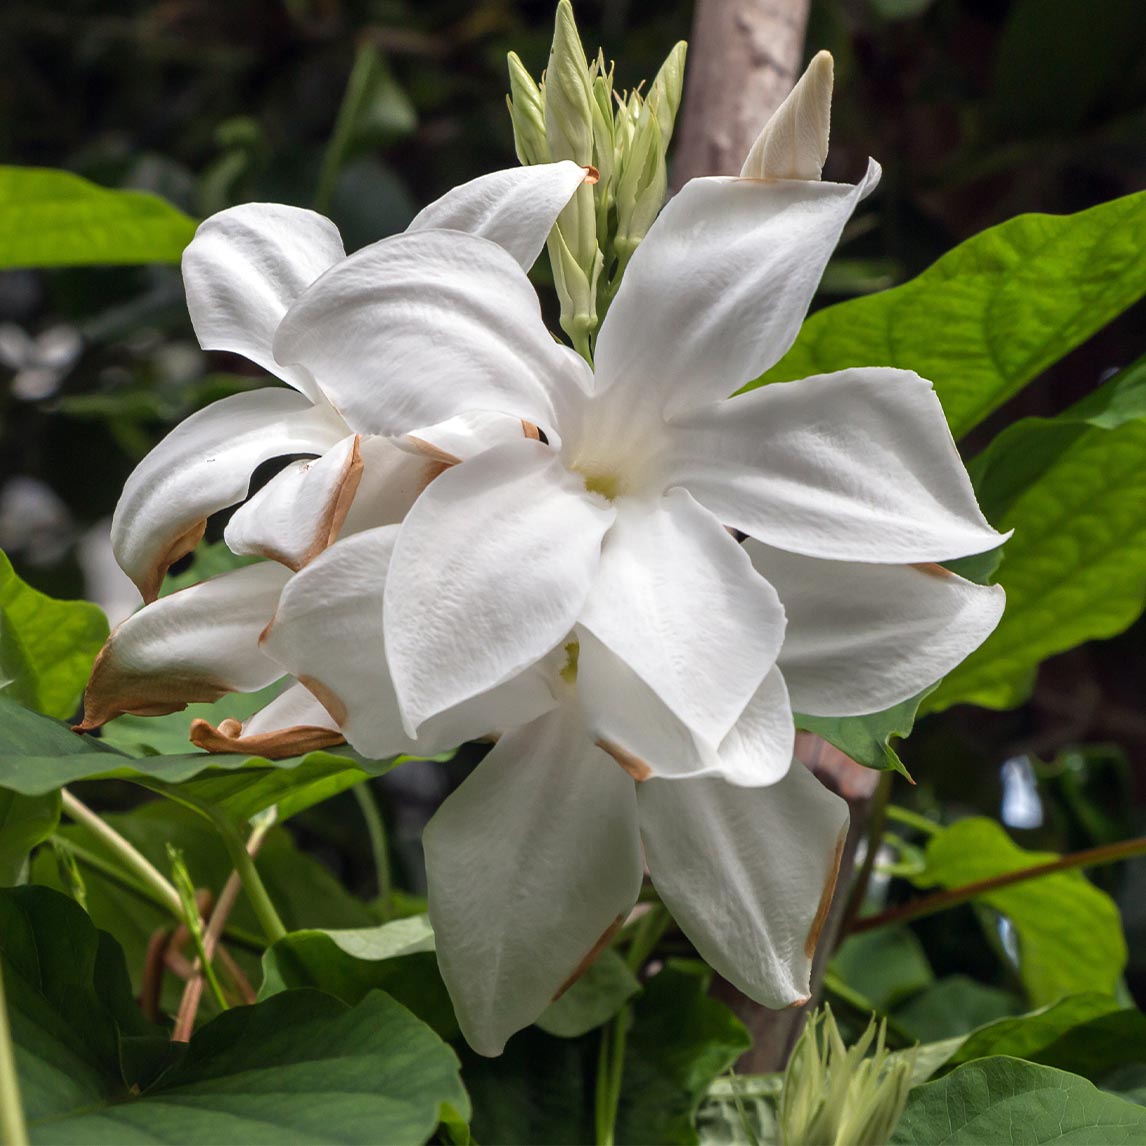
(276, 745)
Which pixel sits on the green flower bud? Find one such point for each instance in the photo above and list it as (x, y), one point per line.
(665, 94)
(527, 113)
(568, 96)
(643, 180)
(836, 1096)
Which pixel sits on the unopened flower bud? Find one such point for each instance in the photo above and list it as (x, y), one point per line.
(664, 95)
(794, 142)
(568, 96)
(527, 113)
(643, 179)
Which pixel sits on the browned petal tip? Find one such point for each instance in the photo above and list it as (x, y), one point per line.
(530, 430)
(932, 569)
(634, 765)
(825, 904)
(432, 451)
(592, 175)
(802, 1001)
(325, 696)
(591, 956)
(182, 544)
(275, 745)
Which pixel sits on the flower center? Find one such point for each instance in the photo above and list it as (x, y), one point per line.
(608, 485)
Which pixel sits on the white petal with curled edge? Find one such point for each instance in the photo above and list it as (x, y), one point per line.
(463, 436)
(205, 465)
(748, 874)
(245, 267)
(490, 572)
(515, 208)
(293, 724)
(630, 722)
(300, 511)
(532, 865)
(194, 645)
(853, 466)
(716, 292)
(678, 600)
(328, 631)
(421, 327)
(391, 480)
(864, 637)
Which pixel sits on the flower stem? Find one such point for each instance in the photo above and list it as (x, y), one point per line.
(357, 90)
(164, 892)
(13, 1130)
(376, 829)
(953, 897)
(912, 819)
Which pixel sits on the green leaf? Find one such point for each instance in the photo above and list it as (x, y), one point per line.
(954, 1006)
(886, 966)
(681, 1040)
(38, 756)
(46, 646)
(593, 1000)
(1009, 1101)
(53, 218)
(301, 1067)
(25, 821)
(1069, 933)
(993, 313)
(397, 957)
(1087, 1034)
(1072, 488)
(867, 739)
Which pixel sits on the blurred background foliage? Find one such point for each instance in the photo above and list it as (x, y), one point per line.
(978, 110)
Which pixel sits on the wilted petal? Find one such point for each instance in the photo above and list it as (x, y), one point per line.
(677, 599)
(421, 327)
(194, 645)
(630, 722)
(853, 466)
(515, 208)
(328, 632)
(716, 293)
(292, 724)
(532, 863)
(205, 465)
(748, 874)
(245, 267)
(490, 572)
(864, 637)
(300, 511)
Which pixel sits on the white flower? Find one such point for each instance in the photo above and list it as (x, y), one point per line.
(537, 858)
(611, 529)
(242, 271)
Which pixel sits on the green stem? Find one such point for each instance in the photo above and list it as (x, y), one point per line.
(164, 893)
(912, 819)
(357, 87)
(953, 897)
(13, 1131)
(376, 829)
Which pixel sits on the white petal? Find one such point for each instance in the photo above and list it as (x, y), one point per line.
(794, 142)
(421, 327)
(853, 466)
(515, 208)
(293, 724)
(328, 632)
(300, 511)
(864, 637)
(194, 645)
(490, 572)
(748, 874)
(245, 267)
(466, 435)
(392, 479)
(531, 863)
(677, 599)
(630, 722)
(716, 292)
(205, 465)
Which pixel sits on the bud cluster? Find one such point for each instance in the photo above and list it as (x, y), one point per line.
(574, 113)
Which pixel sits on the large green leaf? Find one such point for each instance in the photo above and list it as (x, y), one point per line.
(1006, 1100)
(593, 1000)
(955, 1005)
(46, 646)
(868, 739)
(25, 821)
(1069, 933)
(885, 966)
(1073, 488)
(53, 218)
(38, 756)
(991, 314)
(301, 1067)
